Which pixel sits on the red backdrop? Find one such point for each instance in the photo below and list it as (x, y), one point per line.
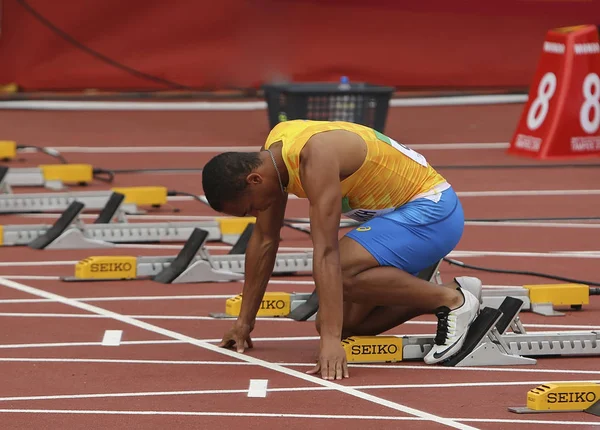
(242, 43)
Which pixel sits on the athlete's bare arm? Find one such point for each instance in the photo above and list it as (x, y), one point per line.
(326, 158)
(260, 260)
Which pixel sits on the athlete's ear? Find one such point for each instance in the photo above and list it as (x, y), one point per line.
(254, 178)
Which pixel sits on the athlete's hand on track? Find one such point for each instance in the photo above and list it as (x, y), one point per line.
(332, 362)
(238, 335)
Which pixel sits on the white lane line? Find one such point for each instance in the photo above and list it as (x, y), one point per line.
(242, 363)
(36, 263)
(233, 354)
(531, 193)
(540, 224)
(215, 414)
(215, 106)
(217, 149)
(258, 388)
(32, 278)
(112, 338)
(125, 298)
(141, 317)
(144, 342)
(270, 319)
(283, 415)
(173, 217)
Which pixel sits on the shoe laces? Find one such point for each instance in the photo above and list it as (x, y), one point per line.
(446, 325)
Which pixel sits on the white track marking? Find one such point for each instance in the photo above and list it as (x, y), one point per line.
(242, 363)
(233, 354)
(529, 193)
(217, 149)
(123, 361)
(283, 415)
(258, 388)
(528, 224)
(145, 342)
(124, 298)
(264, 319)
(36, 263)
(112, 338)
(454, 254)
(212, 106)
(121, 299)
(32, 278)
(543, 224)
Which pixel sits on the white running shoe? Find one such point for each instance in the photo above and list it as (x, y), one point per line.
(452, 328)
(472, 285)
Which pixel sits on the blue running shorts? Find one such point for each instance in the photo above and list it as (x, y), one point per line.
(416, 235)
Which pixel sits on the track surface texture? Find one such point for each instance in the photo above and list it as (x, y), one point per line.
(166, 371)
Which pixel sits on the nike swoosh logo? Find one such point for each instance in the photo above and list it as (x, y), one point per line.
(439, 354)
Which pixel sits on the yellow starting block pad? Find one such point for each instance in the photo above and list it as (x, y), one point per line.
(560, 397)
(272, 305)
(373, 349)
(106, 267)
(68, 173)
(143, 196)
(559, 294)
(8, 149)
(234, 225)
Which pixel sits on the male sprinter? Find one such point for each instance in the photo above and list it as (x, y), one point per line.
(366, 280)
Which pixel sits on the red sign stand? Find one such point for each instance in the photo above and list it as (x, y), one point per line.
(561, 118)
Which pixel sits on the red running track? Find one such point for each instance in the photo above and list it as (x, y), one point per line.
(57, 373)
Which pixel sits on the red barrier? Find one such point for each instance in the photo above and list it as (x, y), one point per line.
(561, 118)
(237, 43)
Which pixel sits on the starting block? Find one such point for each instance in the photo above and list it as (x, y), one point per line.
(562, 397)
(68, 232)
(193, 264)
(488, 343)
(373, 349)
(51, 176)
(539, 299)
(8, 150)
(273, 304)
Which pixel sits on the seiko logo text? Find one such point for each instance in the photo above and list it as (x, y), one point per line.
(572, 397)
(272, 304)
(373, 349)
(111, 267)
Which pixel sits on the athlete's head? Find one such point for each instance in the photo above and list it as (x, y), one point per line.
(240, 183)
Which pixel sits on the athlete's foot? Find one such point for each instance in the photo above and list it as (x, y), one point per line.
(452, 327)
(472, 285)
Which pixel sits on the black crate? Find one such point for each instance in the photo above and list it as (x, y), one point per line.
(362, 103)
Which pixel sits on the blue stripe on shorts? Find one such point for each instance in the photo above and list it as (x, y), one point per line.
(416, 235)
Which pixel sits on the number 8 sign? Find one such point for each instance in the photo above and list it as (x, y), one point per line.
(539, 108)
(591, 105)
(590, 108)
(562, 116)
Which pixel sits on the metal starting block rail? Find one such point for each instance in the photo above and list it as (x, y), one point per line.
(68, 232)
(193, 264)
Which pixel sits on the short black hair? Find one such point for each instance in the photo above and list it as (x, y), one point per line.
(224, 176)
